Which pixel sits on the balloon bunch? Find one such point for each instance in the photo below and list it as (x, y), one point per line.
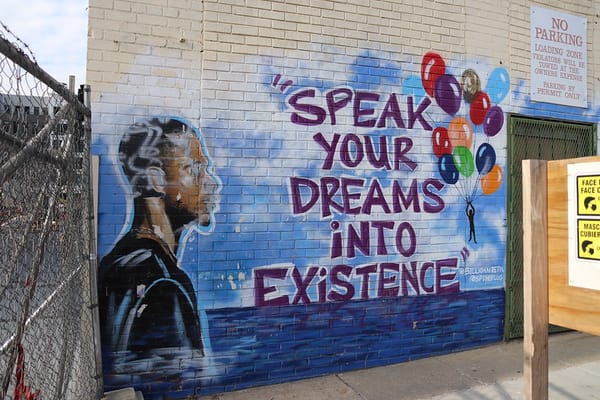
(454, 145)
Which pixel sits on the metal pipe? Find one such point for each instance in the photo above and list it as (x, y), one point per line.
(93, 255)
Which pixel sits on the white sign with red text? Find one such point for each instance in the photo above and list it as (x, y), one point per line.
(558, 58)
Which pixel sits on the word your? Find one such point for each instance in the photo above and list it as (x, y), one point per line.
(353, 150)
(343, 283)
(368, 111)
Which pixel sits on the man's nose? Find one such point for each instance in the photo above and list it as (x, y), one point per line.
(209, 183)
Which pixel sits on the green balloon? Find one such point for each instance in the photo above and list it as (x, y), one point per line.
(463, 159)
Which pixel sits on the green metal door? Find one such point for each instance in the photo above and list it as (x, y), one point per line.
(530, 138)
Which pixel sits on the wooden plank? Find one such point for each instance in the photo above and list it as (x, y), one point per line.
(569, 306)
(535, 280)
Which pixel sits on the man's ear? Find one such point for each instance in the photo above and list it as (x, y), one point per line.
(156, 179)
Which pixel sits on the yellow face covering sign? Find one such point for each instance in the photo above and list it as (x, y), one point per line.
(588, 195)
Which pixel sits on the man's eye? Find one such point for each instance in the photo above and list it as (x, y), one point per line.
(195, 169)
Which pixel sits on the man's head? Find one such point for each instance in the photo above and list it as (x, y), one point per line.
(166, 158)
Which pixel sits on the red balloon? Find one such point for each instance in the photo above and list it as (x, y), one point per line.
(432, 67)
(441, 142)
(479, 107)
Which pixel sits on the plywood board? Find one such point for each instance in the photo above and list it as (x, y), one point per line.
(569, 306)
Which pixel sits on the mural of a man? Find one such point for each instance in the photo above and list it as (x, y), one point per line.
(146, 300)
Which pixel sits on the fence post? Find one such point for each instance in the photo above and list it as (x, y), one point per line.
(535, 279)
(93, 257)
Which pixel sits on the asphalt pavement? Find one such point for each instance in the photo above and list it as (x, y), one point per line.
(488, 373)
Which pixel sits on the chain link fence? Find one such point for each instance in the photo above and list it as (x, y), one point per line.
(48, 345)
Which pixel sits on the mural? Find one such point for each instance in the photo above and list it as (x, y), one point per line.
(370, 183)
(146, 301)
(362, 225)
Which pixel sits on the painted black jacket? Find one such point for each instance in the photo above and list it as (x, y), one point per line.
(146, 301)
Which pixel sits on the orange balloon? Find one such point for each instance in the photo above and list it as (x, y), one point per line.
(460, 132)
(491, 181)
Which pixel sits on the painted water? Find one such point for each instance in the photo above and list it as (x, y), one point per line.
(258, 346)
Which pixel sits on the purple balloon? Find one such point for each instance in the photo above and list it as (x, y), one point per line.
(448, 93)
(494, 119)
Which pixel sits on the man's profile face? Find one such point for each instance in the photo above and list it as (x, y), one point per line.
(190, 188)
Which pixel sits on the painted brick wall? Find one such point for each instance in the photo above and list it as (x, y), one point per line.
(290, 190)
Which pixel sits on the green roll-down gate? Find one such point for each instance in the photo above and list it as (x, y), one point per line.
(530, 138)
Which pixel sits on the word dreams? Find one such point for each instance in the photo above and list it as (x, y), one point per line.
(279, 285)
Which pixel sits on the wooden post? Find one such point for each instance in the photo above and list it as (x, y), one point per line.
(535, 279)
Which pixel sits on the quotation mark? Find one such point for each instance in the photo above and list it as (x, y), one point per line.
(465, 254)
(284, 85)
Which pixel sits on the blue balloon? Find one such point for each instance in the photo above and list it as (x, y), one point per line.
(485, 158)
(498, 85)
(448, 169)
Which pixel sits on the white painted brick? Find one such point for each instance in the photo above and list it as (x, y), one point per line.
(101, 5)
(273, 16)
(297, 36)
(94, 55)
(166, 31)
(137, 8)
(118, 15)
(244, 30)
(182, 4)
(119, 36)
(102, 45)
(147, 40)
(151, 19)
(259, 41)
(216, 27)
(239, 19)
(133, 27)
(134, 49)
(243, 49)
(106, 66)
(333, 15)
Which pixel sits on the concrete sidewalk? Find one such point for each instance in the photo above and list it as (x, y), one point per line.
(490, 373)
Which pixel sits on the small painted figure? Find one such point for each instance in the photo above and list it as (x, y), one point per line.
(470, 211)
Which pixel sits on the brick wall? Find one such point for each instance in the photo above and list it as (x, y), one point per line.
(336, 172)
